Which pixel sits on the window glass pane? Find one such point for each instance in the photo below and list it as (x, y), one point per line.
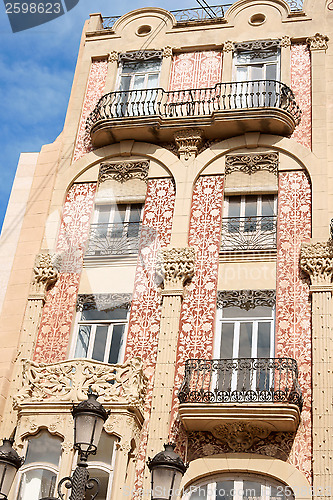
(257, 312)
(117, 338)
(227, 340)
(267, 205)
(223, 490)
(105, 449)
(242, 74)
(234, 206)
(139, 82)
(200, 493)
(36, 484)
(251, 206)
(103, 478)
(119, 214)
(100, 342)
(43, 447)
(125, 83)
(82, 341)
(152, 81)
(251, 490)
(257, 72)
(135, 212)
(264, 339)
(103, 213)
(271, 72)
(110, 314)
(245, 340)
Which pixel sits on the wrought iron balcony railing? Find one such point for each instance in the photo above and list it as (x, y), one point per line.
(248, 233)
(195, 102)
(241, 380)
(113, 239)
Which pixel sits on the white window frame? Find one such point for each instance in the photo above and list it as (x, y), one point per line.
(113, 209)
(243, 203)
(94, 324)
(145, 73)
(255, 62)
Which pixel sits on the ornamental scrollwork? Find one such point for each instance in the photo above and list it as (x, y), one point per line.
(140, 55)
(317, 261)
(45, 273)
(246, 299)
(251, 163)
(176, 267)
(103, 301)
(188, 142)
(240, 436)
(124, 171)
(318, 42)
(257, 45)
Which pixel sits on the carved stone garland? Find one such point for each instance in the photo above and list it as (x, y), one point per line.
(245, 299)
(188, 142)
(251, 163)
(124, 171)
(103, 301)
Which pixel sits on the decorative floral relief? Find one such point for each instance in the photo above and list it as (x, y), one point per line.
(199, 304)
(293, 309)
(145, 315)
(301, 86)
(95, 89)
(196, 70)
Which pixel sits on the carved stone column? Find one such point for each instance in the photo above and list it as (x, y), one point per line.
(176, 269)
(317, 262)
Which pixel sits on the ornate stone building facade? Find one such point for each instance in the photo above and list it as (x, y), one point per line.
(174, 254)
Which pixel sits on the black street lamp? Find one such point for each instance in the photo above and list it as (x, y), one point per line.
(9, 463)
(167, 470)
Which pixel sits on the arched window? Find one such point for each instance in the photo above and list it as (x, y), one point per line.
(238, 487)
(101, 465)
(39, 472)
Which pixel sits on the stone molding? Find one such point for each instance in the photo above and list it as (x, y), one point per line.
(317, 261)
(140, 55)
(188, 142)
(124, 171)
(175, 267)
(228, 46)
(113, 56)
(251, 163)
(45, 273)
(103, 301)
(246, 299)
(240, 436)
(318, 42)
(167, 51)
(68, 381)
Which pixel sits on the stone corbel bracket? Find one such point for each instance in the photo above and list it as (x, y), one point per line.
(175, 268)
(318, 42)
(45, 274)
(188, 142)
(317, 261)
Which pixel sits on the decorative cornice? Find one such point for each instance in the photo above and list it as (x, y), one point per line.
(140, 55)
(318, 42)
(175, 267)
(245, 299)
(124, 171)
(255, 45)
(228, 46)
(167, 51)
(240, 436)
(285, 42)
(188, 142)
(103, 301)
(113, 56)
(250, 163)
(45, 273)
(317, 261)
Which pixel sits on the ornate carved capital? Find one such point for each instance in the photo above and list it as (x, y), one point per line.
(113, 56)
(285, 42)
(318, 42)
(167, 51)
(240, 436)
(228, 46)
(124, 171)
(45, 274)
(245, 299)
(176, 267)
(103, 301)
(317, 261)
(188, 142)
(250, 163)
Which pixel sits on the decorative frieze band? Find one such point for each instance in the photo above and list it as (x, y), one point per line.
(124, 171)
(318, 42)
(176, 267)
(250, 163)
(140, 55)
(103, 301)
(188, 142)
(255, 45)
(317, 261)
(240, 436)
(245, 299)
(45, 273)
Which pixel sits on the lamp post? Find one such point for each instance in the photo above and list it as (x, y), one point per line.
(167, 470)
(9, 463)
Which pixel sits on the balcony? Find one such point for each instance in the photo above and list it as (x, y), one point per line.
(264, 391)
(222, 111)
(117, 239)
(248, 233)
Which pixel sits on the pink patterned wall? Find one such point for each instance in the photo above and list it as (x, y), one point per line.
(145, 315)
(293, 308)
(196, 70)
(301, 86)
(54, 330)
(95, 90)
(199, 305)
